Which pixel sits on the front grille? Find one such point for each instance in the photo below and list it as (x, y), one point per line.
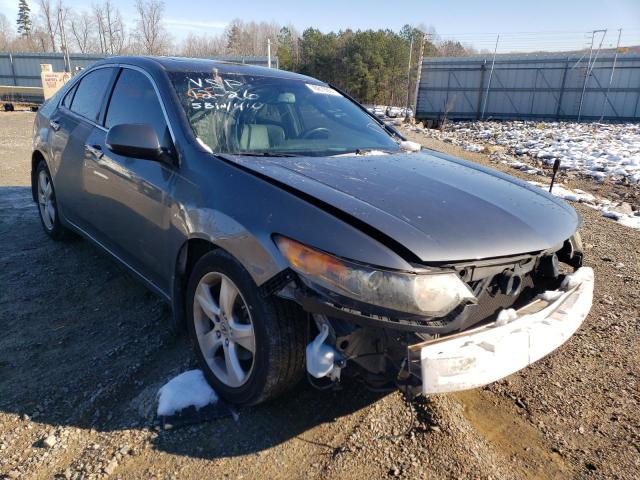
(491, 301)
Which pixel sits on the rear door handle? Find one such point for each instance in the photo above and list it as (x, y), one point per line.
(95, 150)
(54, 125)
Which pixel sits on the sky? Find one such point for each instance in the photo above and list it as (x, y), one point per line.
(476, 22)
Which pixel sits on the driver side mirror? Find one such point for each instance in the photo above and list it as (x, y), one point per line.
(137, 140)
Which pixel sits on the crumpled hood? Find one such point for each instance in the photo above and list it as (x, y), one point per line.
(440, 208)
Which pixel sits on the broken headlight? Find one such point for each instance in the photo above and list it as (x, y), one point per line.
(428, 294)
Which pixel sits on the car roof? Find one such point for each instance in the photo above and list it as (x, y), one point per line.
(183, 64)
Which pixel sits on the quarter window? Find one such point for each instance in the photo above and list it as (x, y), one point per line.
(134, 100)
(66, 102)
(90, 92)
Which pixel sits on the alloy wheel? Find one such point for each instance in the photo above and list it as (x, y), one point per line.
(46, 200)
(224, 329)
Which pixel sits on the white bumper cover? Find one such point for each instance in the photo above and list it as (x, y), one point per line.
(486, 354)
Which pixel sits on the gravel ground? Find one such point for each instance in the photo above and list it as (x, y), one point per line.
(85, 348)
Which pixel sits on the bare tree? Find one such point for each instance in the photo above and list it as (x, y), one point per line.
(152, 34)
(112, 36)
(62, 16)
(49, 16)
(81, 28)
(202, 45)
(250, 38)
(6, 33)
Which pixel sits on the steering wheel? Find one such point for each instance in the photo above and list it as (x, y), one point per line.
(318, 132)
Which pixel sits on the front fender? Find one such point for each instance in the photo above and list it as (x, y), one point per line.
(255, 251)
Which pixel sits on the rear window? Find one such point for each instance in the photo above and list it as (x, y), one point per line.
(90, 93)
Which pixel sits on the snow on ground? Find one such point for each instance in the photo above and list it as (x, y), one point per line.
(622, 214)
(598, 150)
(186, 390)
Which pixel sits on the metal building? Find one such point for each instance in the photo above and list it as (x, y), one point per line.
(23, 69)
(552, 87)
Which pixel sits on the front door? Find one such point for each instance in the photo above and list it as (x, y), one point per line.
(130, 198)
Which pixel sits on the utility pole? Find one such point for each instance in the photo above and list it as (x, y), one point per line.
(63, 41)
(423, 37)
(613, 69)
(269, 52)
(406, 113)
(590, 66)
(493, 62)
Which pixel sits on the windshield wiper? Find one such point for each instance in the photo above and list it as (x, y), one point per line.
(366, 151)
(265, 154)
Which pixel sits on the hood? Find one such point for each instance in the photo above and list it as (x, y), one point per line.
(440, 208)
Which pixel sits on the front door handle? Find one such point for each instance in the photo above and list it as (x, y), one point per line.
(95, 150)
(54, 125)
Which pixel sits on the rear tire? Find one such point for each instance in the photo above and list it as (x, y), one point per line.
(250, 348)
(47, 204)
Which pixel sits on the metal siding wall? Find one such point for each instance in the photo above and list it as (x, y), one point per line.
(548, 87)
(26, 66)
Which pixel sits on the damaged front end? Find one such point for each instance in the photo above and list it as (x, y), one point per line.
(410, 329)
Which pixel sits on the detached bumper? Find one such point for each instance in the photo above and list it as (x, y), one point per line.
(477, 357)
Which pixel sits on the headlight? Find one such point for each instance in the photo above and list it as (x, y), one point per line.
(429, 294)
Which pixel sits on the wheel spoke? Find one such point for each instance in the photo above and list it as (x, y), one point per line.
(206, 301)
(42, 181)
(228, 294)
(47, 191)
(210, 343)
(235, 372)
(51, 212)
(242, 334)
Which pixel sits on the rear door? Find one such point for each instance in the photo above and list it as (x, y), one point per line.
(72, 123)
(130, 198)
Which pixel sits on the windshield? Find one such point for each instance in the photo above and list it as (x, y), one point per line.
(256, 115)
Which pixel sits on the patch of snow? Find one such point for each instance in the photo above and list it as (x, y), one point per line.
(187, 389)
(550, 295)
(598, 150)
(505, 316)
(472, 147)
(629, 221)
(604, 205)
(410, 146)
(576, 278)
(576, 195)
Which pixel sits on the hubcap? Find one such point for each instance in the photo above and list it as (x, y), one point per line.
(46, 201)
(224, 329)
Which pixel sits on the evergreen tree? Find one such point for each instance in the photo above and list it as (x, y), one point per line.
(285, 49)
(24, 18)
(234, 39)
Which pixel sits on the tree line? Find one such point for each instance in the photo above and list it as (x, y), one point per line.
(374, 66)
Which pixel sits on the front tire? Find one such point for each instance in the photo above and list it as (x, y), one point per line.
(250, 348)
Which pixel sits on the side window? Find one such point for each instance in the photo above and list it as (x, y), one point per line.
(66, 101)
(134, 100)
(90, 92)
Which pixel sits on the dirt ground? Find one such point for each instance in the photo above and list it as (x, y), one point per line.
(84, 349)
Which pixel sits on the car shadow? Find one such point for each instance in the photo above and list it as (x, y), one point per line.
(84, 344)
